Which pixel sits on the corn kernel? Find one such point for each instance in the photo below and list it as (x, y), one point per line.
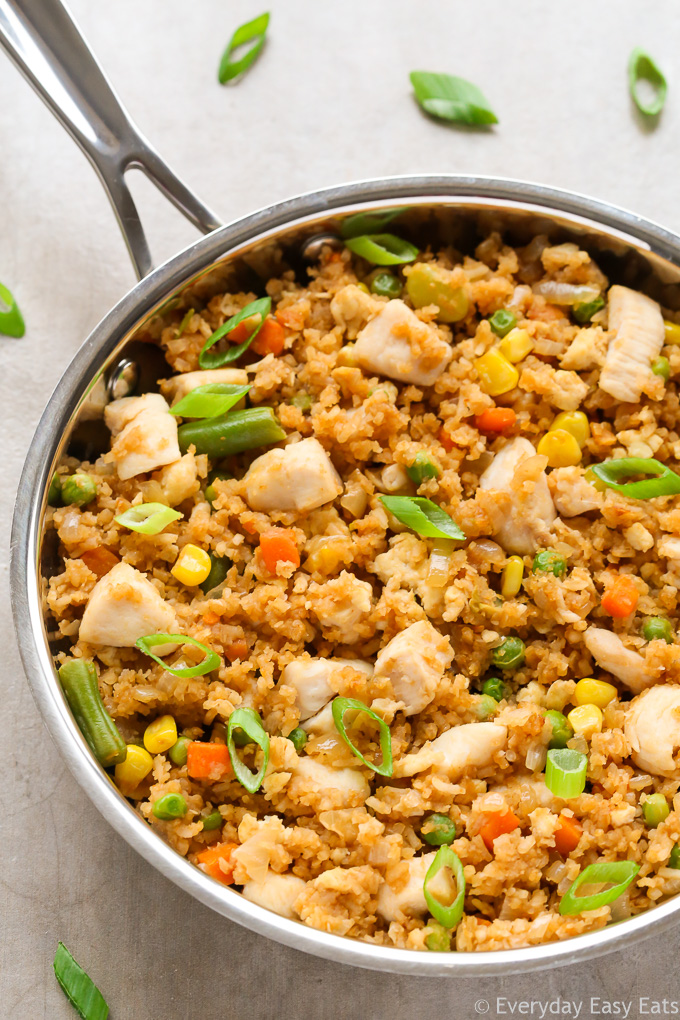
(593, 480)
(362, 286)
(585, 720)
(575, 423)
(160, 735)
(516, 345)
(561, 449)
(134, 769)
(511, 580)
(327, 553)
(672, 332)
(346, 357)
(496, 374)
(192, 566)
(594, 692)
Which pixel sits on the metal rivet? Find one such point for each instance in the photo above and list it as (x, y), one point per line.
(311, 248)
(122, 380)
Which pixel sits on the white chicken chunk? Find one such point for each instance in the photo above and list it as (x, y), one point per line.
(638, 335)
(299, 477)
(342, 607)
(572, 492)
(179, 385)
(461, 747)
(652, 729)
(311, 680)
(402, 896)
(414, 662)
(144, 434)
(276, 892)
(397, 344)
(179, 480)
(326, 788)
(611, 654)
(517, 471)
(124, 606)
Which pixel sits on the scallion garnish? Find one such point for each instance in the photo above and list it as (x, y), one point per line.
(565, 772)
(210, 662)
(209, 401)
(370, 222)
(641, 67)
(185, 322)
(255, 29)
(621, 873)
(79, 989)
(382, 249)
(663, 483)
(423, 516)
(11, 319)
(248, 720)
(449, 915)
(148, 518)
(342, 705)
(451, 98)
(260, 307)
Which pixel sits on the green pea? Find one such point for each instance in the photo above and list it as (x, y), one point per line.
(386, 285)
(78, 490)
(502, 322)
(549, 562)
(298, 737)
(495, 688)
(438, 939)
(172, 805)
(486, 706)
(302, 400)
(674, 859)
(54, 491)
(655, 810)
(656, 628)
(438, 830)
(584, 312)
(219, 566)
(661, 366)
(212, 821)
(561, 729)
(178, 752)
(509, 654)
(210, 490)
(422, 467)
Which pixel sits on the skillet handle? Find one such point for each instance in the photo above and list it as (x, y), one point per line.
(45, 44)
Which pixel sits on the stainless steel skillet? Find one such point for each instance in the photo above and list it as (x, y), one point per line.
(41, 38)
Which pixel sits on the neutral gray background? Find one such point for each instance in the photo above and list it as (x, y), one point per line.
(328, 101)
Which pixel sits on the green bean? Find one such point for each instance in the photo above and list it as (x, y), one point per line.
(231, 433)
(79, 681)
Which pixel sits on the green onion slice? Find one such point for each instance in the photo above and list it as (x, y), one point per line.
(451, 98)
(79, 989)
(209, 401)
(11, 319)
(148, 518)
(211, 661)
(663, 482)
(248, 720)
(342, 705)
(565, 772)
(423, 516)
(255, 29)
(641, 67)
(260, 307)
(451, 915)
(621, 873)
(370, 222)
(185, 322)
(382, 249)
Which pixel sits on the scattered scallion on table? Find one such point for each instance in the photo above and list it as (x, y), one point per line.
(261, 307)
(565, 772)
(148, 518)
(151, 641)
(248, 720)
(620, 873)
(641, 68)
(450, 98)
(450, 915)
(209, 401)
(231, 433)
(78, 987)
(423, 516)
(663, 481)
(342, 705)
(11, 320)
(252, 30)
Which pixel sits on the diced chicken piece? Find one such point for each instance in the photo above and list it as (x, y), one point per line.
(311, 680)
(461, 747)
(325, 788)
(611, 654)
(179, 480)
(299, 477)
(587, 350)
(565, 390)
(669, 548)
(276, 892)
(342, 607)
(402, 896)
(322, 722)
(517, 471)
(636, 324)
(351, 309)
(179, 385)
(414, 662)
(572, 492)
(124, 606)
(144, 434)
(652, 729)
(397, 344)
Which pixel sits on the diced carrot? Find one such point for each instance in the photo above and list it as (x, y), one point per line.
(445, 439)
(207, 761)
(293, 317)
(496, 825)
(568, 835)
(249, 527)
(271, 338)
(237, 650)
(210, 618)
(621, 598)
(241, 332)
(496, 419)
(217, 862)
(277, 545)
(99, 560)
(544, 313)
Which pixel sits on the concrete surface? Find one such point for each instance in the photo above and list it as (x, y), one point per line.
(328, 101)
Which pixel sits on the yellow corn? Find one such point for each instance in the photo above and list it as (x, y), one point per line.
(496, 374)
(593, 480)
(160, 735)
(327, 553)
(575, 423)
(192, 566)
(346, 357)
(594, 692)
(136, 767)
(672, 332)
(561, 449)
(585, 720)
(362, 286)
(511, 580)
(516, 345)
